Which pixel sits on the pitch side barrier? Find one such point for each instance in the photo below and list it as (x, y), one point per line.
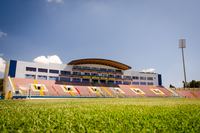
(64, 97)
(53, 97)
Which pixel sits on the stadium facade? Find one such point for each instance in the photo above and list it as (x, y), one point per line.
(92, 77)
(96, 71)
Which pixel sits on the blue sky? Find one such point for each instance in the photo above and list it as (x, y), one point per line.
(141, 33)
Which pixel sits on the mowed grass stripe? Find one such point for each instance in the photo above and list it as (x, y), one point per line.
(100, 115)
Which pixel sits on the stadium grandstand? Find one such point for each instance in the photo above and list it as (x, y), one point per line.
(188, 92)
(90, 77)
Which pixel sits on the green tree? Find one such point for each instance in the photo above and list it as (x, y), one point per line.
(1, 85)
(171, 86)
(193, 84)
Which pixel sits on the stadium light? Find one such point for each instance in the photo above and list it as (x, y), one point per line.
(182, 45)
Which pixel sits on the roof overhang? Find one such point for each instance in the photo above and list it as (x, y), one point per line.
(98, 61)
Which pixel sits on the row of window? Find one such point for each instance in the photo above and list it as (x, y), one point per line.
(142, 78)
(138, 83)
(42, 77)
(104, 81)
(33, 69)
(111, 76)
(96, 69)
(66, 73)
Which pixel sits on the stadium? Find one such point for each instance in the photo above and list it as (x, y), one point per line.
(91, 77)
(99, 66)
(93, 95)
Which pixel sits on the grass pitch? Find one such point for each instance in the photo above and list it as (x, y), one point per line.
(100, 115)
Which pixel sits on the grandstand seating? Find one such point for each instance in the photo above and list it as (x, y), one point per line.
(84, 91)
(128, 91)
(188, 93)
(118, 92)
(25, 87)
(197, 94)
(149, 91)
(107, 92)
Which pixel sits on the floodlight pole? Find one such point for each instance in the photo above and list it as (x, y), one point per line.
(182, 45)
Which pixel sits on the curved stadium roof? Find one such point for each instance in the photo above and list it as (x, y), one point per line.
(98, 61)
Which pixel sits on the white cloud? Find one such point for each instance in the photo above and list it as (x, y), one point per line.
(53, 59)
(2, 65)
(3, 34)
(152, 70)
(41, 59)
(56, 1)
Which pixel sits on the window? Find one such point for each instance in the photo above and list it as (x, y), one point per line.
(150, 83)
(118, 82)
(94, 74)
(85, 68)
(126, 83)
(103, 70)
(29, 76)
(118, 71)
(135, 77)
(135, 83)
(149, 78)
(142, 83)
(104, 75)
(102, 81)
(95, 81)
(76, 80)
(54, 71)
(76, 67)
(110, 82)
(53, 78)
(127, 77)
(42, 70)
(95, 69)
(76, 73)
(111, 70)
(42, 77)
(65, 79)
(85, 80)
(142, 78)
(87, 74)
(31, 69)
(65, 73)
(118, 76)
(111, 76)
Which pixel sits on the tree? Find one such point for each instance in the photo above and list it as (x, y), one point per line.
(1, 85)
(171, 86)
(193, 84)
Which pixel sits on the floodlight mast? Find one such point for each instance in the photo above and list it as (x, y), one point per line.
(182, 45)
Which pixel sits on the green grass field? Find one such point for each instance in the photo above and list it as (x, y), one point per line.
(100, 115)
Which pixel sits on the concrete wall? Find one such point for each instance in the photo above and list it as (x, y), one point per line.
(21, 71)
